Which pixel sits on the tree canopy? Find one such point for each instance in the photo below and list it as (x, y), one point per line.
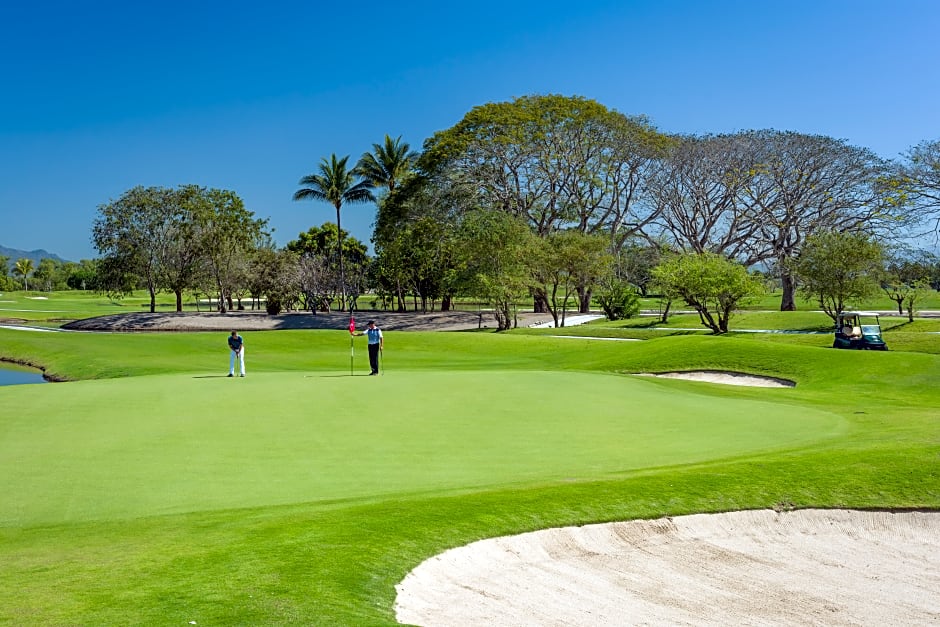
(839, 269)
(173, 239)
(601, 195)
(712, 284)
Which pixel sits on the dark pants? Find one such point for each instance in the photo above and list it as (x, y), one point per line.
(374, 357)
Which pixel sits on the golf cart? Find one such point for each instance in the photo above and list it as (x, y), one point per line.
(859, 330)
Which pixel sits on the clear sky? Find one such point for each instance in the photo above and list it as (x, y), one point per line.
(98, 97)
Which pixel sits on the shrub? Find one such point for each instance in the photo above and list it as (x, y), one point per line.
(619, 300)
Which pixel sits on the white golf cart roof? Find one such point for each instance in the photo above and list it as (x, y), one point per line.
(860, 313)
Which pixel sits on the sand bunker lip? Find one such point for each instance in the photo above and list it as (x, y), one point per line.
(832, 567)
(724, 377)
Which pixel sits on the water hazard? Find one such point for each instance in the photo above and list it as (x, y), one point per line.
(11, 374)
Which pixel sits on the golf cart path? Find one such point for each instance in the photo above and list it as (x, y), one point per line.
(261, 321)
(761, 567)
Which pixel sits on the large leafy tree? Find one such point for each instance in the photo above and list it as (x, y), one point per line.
(755, 196)
(231, 233)
(50, 275)
(838, 269)
(559, 163)
(84, 275)
(276, 275)
(429, 247)
(415, 231)
(495, 260)
(182, 259)
(336, 184)
(710, 283)
(553, 160)
(173, 239)
(132, 233)
(802, 184)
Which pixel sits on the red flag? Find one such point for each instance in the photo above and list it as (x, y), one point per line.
(352, 325)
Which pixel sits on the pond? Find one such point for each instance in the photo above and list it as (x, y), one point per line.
(11, 374)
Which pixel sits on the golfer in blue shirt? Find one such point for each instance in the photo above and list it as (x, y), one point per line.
(237, 346)
(376, 344)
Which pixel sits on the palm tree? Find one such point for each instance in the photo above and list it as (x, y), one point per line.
(336, 185)
(387, 165)
(24, 267)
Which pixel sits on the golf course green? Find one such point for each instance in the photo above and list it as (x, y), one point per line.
(152, 489)
(199, 444)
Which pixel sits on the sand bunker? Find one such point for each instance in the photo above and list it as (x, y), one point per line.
(807, 567)
(724, 377)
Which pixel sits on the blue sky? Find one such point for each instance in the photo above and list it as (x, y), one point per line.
(98, 97)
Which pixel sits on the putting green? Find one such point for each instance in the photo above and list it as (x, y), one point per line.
(99, 450)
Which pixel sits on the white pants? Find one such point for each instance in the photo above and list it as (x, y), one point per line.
(240, 356)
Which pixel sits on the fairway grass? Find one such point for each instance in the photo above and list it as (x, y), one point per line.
(154, 490)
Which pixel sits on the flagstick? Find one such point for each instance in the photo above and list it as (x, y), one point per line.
(352, 333)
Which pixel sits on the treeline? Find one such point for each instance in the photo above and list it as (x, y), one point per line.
(48, 275)
(555, 199)
(555, 196)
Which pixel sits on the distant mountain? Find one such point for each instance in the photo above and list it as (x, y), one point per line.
(35, 255)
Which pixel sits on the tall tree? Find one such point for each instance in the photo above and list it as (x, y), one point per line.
(337, 185)
(417, 222)
(800, 184)
(23, 267)
(182, 258)
(276, 275)
(389, 163)
(131, 233)
(921, 177)
(231, 233)
(430, 251)
(84, 276)
(558, 162)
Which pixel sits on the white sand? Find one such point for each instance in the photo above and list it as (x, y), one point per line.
(806, 567)
(726, 378)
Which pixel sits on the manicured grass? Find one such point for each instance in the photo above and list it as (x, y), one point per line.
(155, 491)
(206, 444)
